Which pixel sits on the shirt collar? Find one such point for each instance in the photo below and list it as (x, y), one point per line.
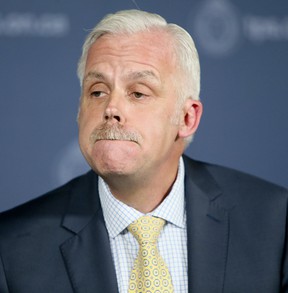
(118, 216)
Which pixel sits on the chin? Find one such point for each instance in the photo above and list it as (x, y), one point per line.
(114, 157)
(112, 165)
(112, 172)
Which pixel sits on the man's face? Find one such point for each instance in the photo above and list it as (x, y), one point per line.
(129, 87)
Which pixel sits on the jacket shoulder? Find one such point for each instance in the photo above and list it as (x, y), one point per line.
(232, 182)
(47, 208)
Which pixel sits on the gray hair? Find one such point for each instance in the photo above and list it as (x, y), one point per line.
(133, 21)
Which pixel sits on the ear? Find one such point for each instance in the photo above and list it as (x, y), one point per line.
(192, 113)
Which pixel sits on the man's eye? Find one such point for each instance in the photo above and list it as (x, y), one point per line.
(97, 94)
(138, 95)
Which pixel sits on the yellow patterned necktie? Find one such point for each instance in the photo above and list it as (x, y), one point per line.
(150, 273)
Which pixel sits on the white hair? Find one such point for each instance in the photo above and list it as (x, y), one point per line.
(134, 21)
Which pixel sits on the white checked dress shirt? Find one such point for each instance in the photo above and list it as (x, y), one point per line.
(172, 242)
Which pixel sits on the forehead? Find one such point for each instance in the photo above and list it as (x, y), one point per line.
(152, 49)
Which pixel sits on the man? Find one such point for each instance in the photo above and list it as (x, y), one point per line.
(221, 230)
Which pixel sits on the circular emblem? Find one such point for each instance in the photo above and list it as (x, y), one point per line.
(216, 27)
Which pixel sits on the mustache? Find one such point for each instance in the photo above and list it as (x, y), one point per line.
(114, 132)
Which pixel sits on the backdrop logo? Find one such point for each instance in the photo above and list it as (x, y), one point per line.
(15, 24)
(219, 27)
(261, 29)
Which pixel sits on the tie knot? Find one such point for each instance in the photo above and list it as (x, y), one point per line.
(146, 229)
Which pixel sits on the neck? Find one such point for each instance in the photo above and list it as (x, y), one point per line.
(145, 193)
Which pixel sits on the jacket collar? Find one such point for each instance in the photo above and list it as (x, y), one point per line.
(207, 230)
(87, 254)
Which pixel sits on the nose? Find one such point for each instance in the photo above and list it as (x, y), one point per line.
(113, 112)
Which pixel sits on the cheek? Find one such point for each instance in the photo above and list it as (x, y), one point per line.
(89, 118)
(85, 128)
(163, 125)
(84, 143)
(91, 110)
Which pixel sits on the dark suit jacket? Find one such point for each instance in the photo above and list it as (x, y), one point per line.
(236, 227)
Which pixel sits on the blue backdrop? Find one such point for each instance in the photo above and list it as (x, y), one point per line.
(243, 48)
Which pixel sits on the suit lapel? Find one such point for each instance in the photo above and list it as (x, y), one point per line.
(207, 230)
(87, 254)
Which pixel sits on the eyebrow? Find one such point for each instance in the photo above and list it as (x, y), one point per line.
(94, 75)
(133, 75)
(145, 74)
